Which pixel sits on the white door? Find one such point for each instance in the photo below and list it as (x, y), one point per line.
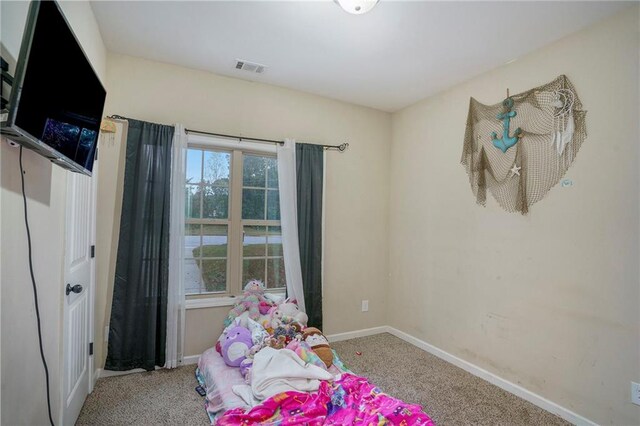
(78, 312)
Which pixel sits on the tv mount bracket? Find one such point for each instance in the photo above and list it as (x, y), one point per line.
(5, 78)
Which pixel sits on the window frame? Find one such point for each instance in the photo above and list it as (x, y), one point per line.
(235, 223)
(212, 221)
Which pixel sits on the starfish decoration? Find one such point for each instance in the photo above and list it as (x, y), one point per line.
(515, 170)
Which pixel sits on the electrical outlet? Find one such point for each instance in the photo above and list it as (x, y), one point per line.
(635, 393)
(365, 305)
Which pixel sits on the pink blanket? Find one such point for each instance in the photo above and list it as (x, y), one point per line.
(349, 400)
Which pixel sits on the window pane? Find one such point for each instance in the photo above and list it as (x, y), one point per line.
(216, 202)
(273, 205)
(253, 269)
(194, 166)
(274, 241)
(253, 204)
(191, 241)
(216, 168)
(254, 170)
(254, 241)
(192, 277)
(214, 240)
(214, 274)
(192, 201)
(272, 172)
(275, 273)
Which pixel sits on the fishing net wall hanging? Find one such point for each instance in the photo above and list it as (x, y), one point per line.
(520, 148)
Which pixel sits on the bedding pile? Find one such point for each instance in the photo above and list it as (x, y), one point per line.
(269, 368)
(347, 400)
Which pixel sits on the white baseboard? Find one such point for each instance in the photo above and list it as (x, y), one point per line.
(504, 384)
(490, 377)
(100, 373)
(191, 359)
(357, 333)
(111, 373)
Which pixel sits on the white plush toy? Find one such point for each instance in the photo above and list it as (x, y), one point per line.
(286, 312)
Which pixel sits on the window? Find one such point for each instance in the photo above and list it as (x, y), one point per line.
(232, 221)
(262, 256)
(207, 184)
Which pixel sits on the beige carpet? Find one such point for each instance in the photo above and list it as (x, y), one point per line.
(447, 393)
(162, 397)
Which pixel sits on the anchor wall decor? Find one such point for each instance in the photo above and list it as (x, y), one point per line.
(547, 133)
(506, 141)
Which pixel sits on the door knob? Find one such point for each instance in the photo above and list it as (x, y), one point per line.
(76, 288)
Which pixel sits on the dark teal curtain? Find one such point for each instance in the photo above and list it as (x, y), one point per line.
(137, 330)
(309, 176)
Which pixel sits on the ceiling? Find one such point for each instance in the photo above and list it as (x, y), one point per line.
(387, 59)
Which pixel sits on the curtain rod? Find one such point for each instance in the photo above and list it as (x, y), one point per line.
(341, 147)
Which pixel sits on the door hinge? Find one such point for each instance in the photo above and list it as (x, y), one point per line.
(93, 251)
(91, 348)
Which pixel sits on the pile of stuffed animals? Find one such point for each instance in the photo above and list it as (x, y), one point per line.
(257, 321)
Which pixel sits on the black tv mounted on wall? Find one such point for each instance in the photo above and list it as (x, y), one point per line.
(56, 102)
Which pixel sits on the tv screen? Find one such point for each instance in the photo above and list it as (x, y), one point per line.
(57, 98)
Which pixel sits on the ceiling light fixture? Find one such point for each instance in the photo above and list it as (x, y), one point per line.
(357, 7)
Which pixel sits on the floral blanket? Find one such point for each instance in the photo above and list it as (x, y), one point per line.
(349, 399)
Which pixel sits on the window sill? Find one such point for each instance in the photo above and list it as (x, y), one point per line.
(210, 302)
(216, 302)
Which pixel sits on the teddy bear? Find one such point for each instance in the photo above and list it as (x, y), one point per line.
(252, 301)
(284, 334)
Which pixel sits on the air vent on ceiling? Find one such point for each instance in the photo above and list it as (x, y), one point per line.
(241, 64)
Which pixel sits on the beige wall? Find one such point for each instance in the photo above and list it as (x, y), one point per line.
(357, 181)
(23, 385)
(550, 300)
(197, 338)
(111, 160)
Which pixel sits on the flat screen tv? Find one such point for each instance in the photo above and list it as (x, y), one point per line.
(57, 100)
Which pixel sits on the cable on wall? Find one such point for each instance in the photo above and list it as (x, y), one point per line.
(35, 292)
